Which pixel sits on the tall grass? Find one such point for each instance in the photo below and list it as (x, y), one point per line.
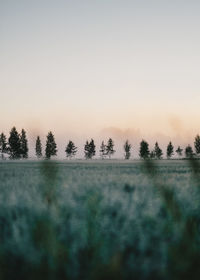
(100, 221)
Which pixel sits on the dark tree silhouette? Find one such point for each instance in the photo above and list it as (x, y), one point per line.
(110, 148)
(144, 149)
(158, 152)
(71, 150)
(102, 150)
(23, 145)
(3, 145)
(179, 151)
(189, 152)
(152, 154)
(87, 150)
(38, 147)
(170, 150)
(197, 144)
(51, 147)
(127, 149)
(90, 149)
(14, 144)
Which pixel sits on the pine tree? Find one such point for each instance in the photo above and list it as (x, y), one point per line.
(102, 150)
(14, 144)
(152, 154)
(189, 152)
(89, 149)
(92, 148)
(3, 145)
(144, 150)
(38, 147)
(110, 148)
(127, 150)
(179, 151)
(71, 150)
(23, 145)
(158, 152)
(170, 150)
(197, 144)
(51, 147)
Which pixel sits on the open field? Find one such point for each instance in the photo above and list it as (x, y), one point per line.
(99, 220)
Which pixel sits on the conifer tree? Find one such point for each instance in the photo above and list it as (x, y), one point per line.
(51, 147)
(158, 152)
(189, 152)
(127, 149)
(144, 149)
(152, 154)
(71, 150)
(110, 148)
(3, 145)
(38, 147)
(170, 150)
(14, 144)
(179, 151)
(89, 149)
(197, 144)
(23, 145)
(92, 148)
(102, 150)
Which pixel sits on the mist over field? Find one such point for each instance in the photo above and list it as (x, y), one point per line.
(119, 137)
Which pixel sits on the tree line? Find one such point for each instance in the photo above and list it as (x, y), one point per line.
(17, 147)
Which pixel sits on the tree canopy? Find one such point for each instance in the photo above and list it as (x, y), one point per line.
(144, 149)
(51, 147)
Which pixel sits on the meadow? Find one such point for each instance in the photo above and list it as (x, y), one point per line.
(100, 219)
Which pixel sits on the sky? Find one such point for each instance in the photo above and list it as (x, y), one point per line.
(88, 68)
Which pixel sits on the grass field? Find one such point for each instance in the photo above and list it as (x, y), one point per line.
(99, 220)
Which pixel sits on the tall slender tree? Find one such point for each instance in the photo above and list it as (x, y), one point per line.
(92, 148)
(51, 147)
(38, 147)
(23, 145)
(158, 151)
(102, 150)
(152, 154)
(14, 144)
(3, 145)
(70, 150)
(144, 150)
(189, 152)
(89, 149)
(127, 149)
(170, 150)
(110, 148)
(179, 151)
(197, 144)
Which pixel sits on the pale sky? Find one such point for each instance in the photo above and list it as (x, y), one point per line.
(93, 68)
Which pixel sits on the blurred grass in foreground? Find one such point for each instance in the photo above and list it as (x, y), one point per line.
(142, 232)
